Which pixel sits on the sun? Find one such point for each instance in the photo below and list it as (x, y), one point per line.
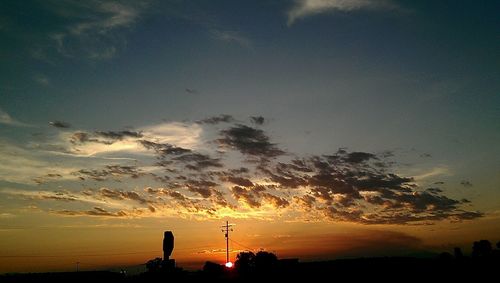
(229, 264)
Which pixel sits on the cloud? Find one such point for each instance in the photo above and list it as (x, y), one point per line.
(60, 124)
(121, 195)
(240, 181)
(196, 179)
(96, 211)
(256, 196)
(116, 171)
(232, 37)
(433, 172)
(6, 119)
(223, 118)
(306, 8)
(20, 165)
(257, 120)
(466, 183)
(160, 137)
(164, 149)
(42, 80)
(191, 90)
(118, 135)
(249, 141)
(198, 161)
(245, 195)
(95, 29)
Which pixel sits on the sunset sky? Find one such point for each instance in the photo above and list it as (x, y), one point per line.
(322, 128)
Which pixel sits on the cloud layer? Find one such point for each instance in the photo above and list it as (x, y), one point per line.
(173, 169)
(306, 8)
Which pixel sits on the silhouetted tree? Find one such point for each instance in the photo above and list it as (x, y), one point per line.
(265, 261)
(458, 253)
(154, 264)
(481, 248)
(445, 256)
(212, 268)
(498, 245)
(245, 262)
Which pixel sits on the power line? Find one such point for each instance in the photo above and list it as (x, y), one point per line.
(241, 245)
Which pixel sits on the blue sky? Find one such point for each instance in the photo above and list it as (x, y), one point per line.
(84, 86)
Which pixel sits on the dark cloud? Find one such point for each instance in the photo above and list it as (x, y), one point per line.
(223, 118)
(191, 91)
(122, 195)
(175, 195)
(58, 196)
(46, 178)
(103, 137)
(198, 161)
(118, 135)
(357, 186)
(276, 201)
(96, 211)
(249, 141)
(358, 157)
(240, 181)
(257, 120)
(240, 193)
(466, 183)
(255, 196)
(115, 171)
(83, 137)
(60, 124)
(202, 187)
(164, 149)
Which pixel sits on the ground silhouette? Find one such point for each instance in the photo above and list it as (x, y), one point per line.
(482, 264)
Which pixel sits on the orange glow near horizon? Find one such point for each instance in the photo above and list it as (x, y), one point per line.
(199, 241)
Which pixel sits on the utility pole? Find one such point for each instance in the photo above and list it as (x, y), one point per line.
(226, 229)
(77, 266)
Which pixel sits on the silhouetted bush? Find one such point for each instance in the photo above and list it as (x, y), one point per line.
(154, 265)
(481, 248)
(265, 261)
(245, 262)
(213, 268)
(458, 253)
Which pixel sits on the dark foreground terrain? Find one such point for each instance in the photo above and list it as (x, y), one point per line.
(387, 269)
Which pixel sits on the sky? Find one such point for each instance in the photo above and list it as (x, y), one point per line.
(322, 129)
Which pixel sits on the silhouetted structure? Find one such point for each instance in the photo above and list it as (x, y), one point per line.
(168, 247)
(168, 244)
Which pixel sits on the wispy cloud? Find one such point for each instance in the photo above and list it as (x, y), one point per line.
(96, 28)
(6, 119)
(98, 143)
(306, 8)
(232, 37)
(42, 80)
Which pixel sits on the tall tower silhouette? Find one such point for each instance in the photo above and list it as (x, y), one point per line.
(168, 245)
